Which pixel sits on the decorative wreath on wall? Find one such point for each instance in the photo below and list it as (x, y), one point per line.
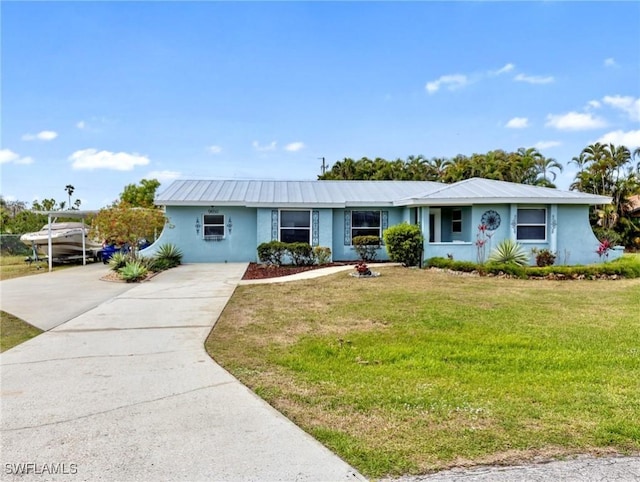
(491, 220)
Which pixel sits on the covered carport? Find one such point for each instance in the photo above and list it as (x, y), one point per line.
(73, 214)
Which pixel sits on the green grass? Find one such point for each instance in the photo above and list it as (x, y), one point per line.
(16, 266)
(14, 331)
(418, 370)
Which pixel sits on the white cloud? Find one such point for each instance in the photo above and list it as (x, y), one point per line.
(627, 104)
(81, 125)
(40, 136)
(593, 104)
(7, 156)
(267, 147)
(533, 79)
(507, 68)
(610, 62)
(518, 123)
(547, 144)
(574, 121)
(631, 139)
(117, 161)
(164, 175)
(214, 149)
(294, 146)
(452, 82)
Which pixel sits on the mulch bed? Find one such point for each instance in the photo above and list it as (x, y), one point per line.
(261, 271)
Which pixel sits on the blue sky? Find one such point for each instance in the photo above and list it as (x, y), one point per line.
(103, 94)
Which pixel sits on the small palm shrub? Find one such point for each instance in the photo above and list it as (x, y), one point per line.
(509, 252)
(133, 271)
(119, 260)
(157, 265)
(169, 255)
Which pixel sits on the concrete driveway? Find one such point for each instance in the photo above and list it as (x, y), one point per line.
(121, 387)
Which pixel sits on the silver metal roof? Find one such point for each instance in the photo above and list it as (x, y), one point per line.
(489, 191)
(362, 193)
(291, 193)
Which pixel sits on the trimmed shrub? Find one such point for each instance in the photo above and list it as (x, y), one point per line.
(627, 267)
(367, 247)
(509, 251)
(404, 244)
(272, 252)
(444, 263)
(301, 254)
(322, 254)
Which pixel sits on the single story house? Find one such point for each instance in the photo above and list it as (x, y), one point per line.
(225, 220)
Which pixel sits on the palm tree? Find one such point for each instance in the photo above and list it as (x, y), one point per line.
(543, 166)
(69, 188)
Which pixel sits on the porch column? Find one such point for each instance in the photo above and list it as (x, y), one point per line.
(423, 218)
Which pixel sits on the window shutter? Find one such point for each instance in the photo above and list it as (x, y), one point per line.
(315, 228)
(274, 225)
(347, 228)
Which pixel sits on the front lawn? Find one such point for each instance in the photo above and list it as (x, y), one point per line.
(14, 331)
(419, 370)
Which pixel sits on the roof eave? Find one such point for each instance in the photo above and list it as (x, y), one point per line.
(505, 200)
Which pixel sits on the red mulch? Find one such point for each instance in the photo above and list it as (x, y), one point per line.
(261, 271)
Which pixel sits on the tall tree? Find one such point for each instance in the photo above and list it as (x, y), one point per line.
(69, 188)
(142, 195)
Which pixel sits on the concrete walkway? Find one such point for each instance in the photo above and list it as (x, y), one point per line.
(126, 392)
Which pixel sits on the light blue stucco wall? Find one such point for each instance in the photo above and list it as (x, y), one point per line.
(321, 225)
(342, 249)
(239, 243)
(569, 233)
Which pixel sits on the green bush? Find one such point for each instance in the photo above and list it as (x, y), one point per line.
(168, 255)
(301, 254)
(509, 268)
(272, 252)
(627, 267)
(509, 252)
(322, 254)
(367, 247)
(133, 271)
(544, 257)
(404, 244)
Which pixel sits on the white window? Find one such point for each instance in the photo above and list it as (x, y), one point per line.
(295, 226)
(456, 221)
(365, 223)
(531, 224)
(213, 226)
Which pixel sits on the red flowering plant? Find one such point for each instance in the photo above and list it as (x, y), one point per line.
(482, 238)
(604, 248)
(362, 268)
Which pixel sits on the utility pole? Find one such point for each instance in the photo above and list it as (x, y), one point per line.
(324, 166)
